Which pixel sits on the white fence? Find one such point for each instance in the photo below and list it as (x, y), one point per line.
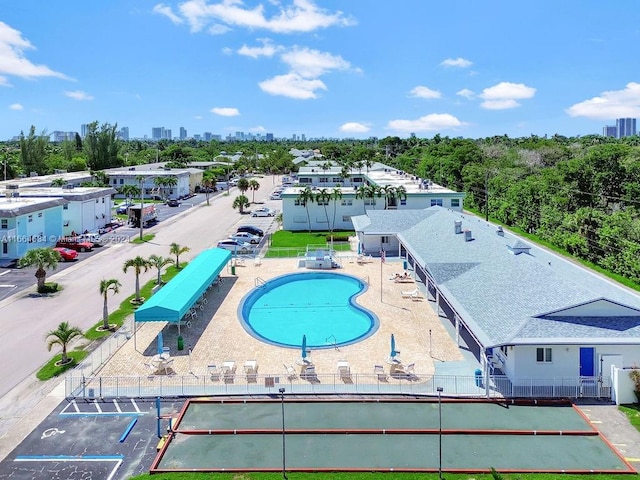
(361, 384)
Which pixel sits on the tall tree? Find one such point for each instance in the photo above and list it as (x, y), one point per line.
(44, 259)
(253, 186)
(106, 286)
(101, 146)
(139, 265)
(62, 336)
(241, 202)
(243, 185)
(336, 196)
(33, 151)
(305, 197)
(322, 198)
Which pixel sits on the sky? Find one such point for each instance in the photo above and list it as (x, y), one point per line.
(320, 68)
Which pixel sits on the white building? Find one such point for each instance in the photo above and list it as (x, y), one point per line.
(346, 202)
(118, 177)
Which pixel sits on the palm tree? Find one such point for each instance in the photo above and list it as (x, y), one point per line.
(322, 198)
(336, 194)
(177, 250)
(241, 202)
(129, 191)
(44, 259)
(253, 186)
(62, 336)
(170, 182)
(243, 185)
(305, 197)
(158, 262)
(112, 285)
(139, 265)
(209, 182)
(361, 194)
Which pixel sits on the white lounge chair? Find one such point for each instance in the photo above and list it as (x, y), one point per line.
(410, 293)
(379, 371)
(214, 373)
(291, 372)
(344, 370)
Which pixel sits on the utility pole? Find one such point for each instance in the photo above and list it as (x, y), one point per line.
(486, 196)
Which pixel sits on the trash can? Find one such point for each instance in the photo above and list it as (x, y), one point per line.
(478, 374)
(180, 343)
(405, 265)
(233, 269)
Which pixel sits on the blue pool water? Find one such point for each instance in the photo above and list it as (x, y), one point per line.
(319, 305)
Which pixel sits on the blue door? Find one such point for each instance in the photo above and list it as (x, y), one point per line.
(587, 363)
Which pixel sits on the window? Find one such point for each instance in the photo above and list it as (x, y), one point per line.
(336, 180)
(5, 224)
(543, 355)
(122, 181)
(346, 218)
(65, 206)
(384, 239)
(298, 202)
(455, 202)
(347, 203)
(39, 214)
(436, 201)
(102, 199)
(97, 200)
(357, 179)
(322, 202)
(30, 218)
(403, 201)
(5, 248)
(369, 201)
(115, 181)
(323, 179)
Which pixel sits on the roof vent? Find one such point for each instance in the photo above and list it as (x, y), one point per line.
(519, 247)
(458, 226)
(467, 236)
(500, 231)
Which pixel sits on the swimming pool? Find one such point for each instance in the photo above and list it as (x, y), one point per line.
(319, 305)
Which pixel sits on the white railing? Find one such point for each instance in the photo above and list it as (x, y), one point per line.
(77, 385)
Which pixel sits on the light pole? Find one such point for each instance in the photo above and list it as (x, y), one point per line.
(430, 351)
(284, 468)
(439, 389)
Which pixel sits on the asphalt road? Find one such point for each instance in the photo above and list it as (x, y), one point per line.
(25, 317)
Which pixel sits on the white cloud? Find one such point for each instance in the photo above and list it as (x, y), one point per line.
(258, 129)
(292, 85)
(218, 29)
(299, 16)
(166, 10)
(12, 59)
(4, 82)
(78, 95)
(456, 62)
(354, 127)
(268, 49)
(424, 92)
(198, 117)
(505, 95)
(433, 121)
(466, 93)
(225, 111)
(310, 63)
(610, 104)
(16, 106)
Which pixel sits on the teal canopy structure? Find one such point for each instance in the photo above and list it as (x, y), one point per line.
(175, 299)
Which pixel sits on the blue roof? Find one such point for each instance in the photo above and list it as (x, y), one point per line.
(173, 300)
(503, 295)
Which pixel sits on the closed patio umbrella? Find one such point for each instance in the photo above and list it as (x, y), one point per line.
(160, 343)
(304, 347)
(393, 353)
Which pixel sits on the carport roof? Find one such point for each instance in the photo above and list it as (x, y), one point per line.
(173, 300)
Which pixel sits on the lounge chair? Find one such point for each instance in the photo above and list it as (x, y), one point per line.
(344, 370)
(251, 371)
(379, 371)
(416, 297)
(291, 372)
(410, 293)
(410, 370)
(214, 373)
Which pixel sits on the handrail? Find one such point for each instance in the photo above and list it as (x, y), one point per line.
(334, 343)
(260, 282)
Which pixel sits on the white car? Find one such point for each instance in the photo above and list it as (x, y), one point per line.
(263, 212)
(245, 237)
(276, 196)
(235, 246)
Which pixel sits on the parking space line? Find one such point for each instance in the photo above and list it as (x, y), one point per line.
(117, 405)
(95, 402)
(4, 273)
(135, 405)
(67, 458)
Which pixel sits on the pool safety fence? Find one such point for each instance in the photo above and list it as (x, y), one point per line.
(203, 384)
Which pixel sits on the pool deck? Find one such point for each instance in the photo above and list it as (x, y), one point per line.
(217, 335)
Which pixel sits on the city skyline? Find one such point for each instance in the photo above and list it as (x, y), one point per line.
(334, 70)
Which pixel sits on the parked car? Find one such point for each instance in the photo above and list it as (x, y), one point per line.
(235, 246)
(275, 196)
(94, 238)
(74, 244)
(67, 254)
(123, 207)
(263, 212)
(173, 203)
(245, 237)
(251, 229)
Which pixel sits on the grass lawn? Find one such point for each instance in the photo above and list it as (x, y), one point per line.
(147, 237)
(296, 242)
(50, 369)
(632, 412)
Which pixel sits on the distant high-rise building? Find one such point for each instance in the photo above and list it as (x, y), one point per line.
(59, 136)
(167, 134)
(84, 129)
(206, 136)
(239, 135)
(609, 131)
(123, 134)
(183, 133)
(269, 137)
(157, 133)
(303, 137)
(626, 127)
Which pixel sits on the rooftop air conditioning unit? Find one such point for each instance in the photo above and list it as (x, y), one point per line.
(467, 236)
(500, 231)
(458, 226)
